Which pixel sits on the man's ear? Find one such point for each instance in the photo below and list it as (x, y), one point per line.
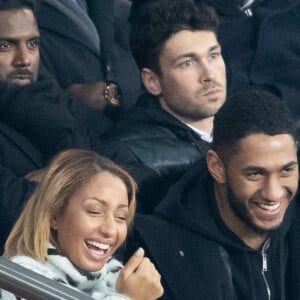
(215, 166)
(151, 81)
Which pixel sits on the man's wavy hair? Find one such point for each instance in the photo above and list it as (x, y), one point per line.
(153, 22)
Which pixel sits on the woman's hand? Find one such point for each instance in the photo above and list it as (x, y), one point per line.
(139, 278)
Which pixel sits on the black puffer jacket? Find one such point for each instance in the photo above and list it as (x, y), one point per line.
(155, 139)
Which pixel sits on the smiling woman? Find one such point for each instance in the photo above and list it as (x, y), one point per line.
(73, 224)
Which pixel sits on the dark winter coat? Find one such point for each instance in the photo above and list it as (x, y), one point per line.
(18, 157)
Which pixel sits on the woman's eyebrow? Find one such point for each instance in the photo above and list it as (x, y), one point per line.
(105, 203)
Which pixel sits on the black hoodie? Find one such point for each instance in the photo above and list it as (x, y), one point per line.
(199, 257)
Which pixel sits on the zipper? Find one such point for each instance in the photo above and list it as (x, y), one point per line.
(265, 266)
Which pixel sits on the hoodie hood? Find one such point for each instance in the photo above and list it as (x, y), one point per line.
(191, 203)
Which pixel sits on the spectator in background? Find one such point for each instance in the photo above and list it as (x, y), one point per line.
(261, 45)
(37, 110)
(227, 224)
(17, 155)
(175, 46)
(75, 221)
(84, 47)
(36, 121)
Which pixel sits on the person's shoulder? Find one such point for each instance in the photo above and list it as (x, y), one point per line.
(133, 126)
(151, 226)
(42, 268)
(28, 262)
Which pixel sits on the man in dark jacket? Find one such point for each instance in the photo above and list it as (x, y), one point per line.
(35, 121)
(87, 46)
(17, 155)
(221, 232)
(36, 109)
(261, 46)
(175, 46)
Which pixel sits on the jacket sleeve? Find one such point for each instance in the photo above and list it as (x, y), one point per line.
(42, 113)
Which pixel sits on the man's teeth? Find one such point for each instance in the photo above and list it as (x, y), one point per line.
(269, 207)
(98, 245)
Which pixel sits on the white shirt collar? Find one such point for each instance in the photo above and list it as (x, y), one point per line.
(203, 135)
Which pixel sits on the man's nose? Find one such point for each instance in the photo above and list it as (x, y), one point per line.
(273, 190)
(206, 72)
(22, 57)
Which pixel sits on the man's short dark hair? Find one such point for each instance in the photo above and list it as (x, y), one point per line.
(152, 22)
(19, 4)
(251, 112)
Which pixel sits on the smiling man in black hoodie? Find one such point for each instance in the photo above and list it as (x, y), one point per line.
(221, 232)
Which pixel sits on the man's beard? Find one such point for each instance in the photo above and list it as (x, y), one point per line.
(240, 211)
